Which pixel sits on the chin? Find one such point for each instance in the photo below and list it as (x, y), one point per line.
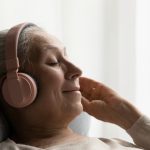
(74, 110)
(79, 109)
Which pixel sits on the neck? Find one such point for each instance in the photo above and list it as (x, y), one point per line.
(42, 137)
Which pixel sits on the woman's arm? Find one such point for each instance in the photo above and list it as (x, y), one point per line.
(105, 104)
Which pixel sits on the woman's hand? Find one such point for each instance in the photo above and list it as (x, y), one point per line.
(105, 104)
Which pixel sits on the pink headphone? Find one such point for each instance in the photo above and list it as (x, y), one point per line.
(18, 89)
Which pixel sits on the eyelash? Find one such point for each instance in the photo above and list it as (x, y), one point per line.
(54, 63)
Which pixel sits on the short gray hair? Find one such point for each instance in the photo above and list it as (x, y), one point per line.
(23, 45)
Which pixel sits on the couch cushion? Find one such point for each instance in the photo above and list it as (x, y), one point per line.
(3, 128)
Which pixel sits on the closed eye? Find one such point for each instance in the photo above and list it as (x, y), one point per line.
(54, 63)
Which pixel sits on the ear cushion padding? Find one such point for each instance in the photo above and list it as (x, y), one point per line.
(19, 92)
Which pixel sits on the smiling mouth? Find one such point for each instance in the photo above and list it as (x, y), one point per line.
(72, 90)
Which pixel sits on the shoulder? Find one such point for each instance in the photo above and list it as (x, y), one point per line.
(8, 144)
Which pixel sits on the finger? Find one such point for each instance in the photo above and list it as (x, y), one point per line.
(96, 108)
(95, 90)
(89, 88)
(95, 105)
(86, 86)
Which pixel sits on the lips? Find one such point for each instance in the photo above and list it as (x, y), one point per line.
(71, 89)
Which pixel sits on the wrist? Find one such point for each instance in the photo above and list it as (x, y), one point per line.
(130, 115)
(130, 120)
(128, 123)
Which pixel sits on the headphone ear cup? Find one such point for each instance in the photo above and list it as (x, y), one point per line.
(19, 92)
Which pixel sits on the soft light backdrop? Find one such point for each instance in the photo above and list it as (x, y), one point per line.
(108, 39)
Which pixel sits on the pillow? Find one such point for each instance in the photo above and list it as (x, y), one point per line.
(81, 124)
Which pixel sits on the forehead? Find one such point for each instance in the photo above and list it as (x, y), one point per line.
(43, 39)
(43, 42)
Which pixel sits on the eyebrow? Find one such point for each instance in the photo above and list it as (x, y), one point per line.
(47, 47)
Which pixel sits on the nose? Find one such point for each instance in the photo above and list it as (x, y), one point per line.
(72, 71)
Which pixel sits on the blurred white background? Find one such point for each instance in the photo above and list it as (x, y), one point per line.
(108, 39)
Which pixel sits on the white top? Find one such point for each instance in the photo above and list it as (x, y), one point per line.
(140, 132)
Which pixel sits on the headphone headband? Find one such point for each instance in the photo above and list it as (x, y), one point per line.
(11, 59)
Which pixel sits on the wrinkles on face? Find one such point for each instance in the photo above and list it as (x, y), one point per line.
(45, 52)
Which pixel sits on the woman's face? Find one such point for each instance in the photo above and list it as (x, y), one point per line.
(59, 98)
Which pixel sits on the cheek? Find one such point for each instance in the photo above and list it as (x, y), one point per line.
(52, 79)
(51, 83)
(51, 101)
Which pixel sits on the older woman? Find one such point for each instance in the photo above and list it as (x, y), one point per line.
(42, 122)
